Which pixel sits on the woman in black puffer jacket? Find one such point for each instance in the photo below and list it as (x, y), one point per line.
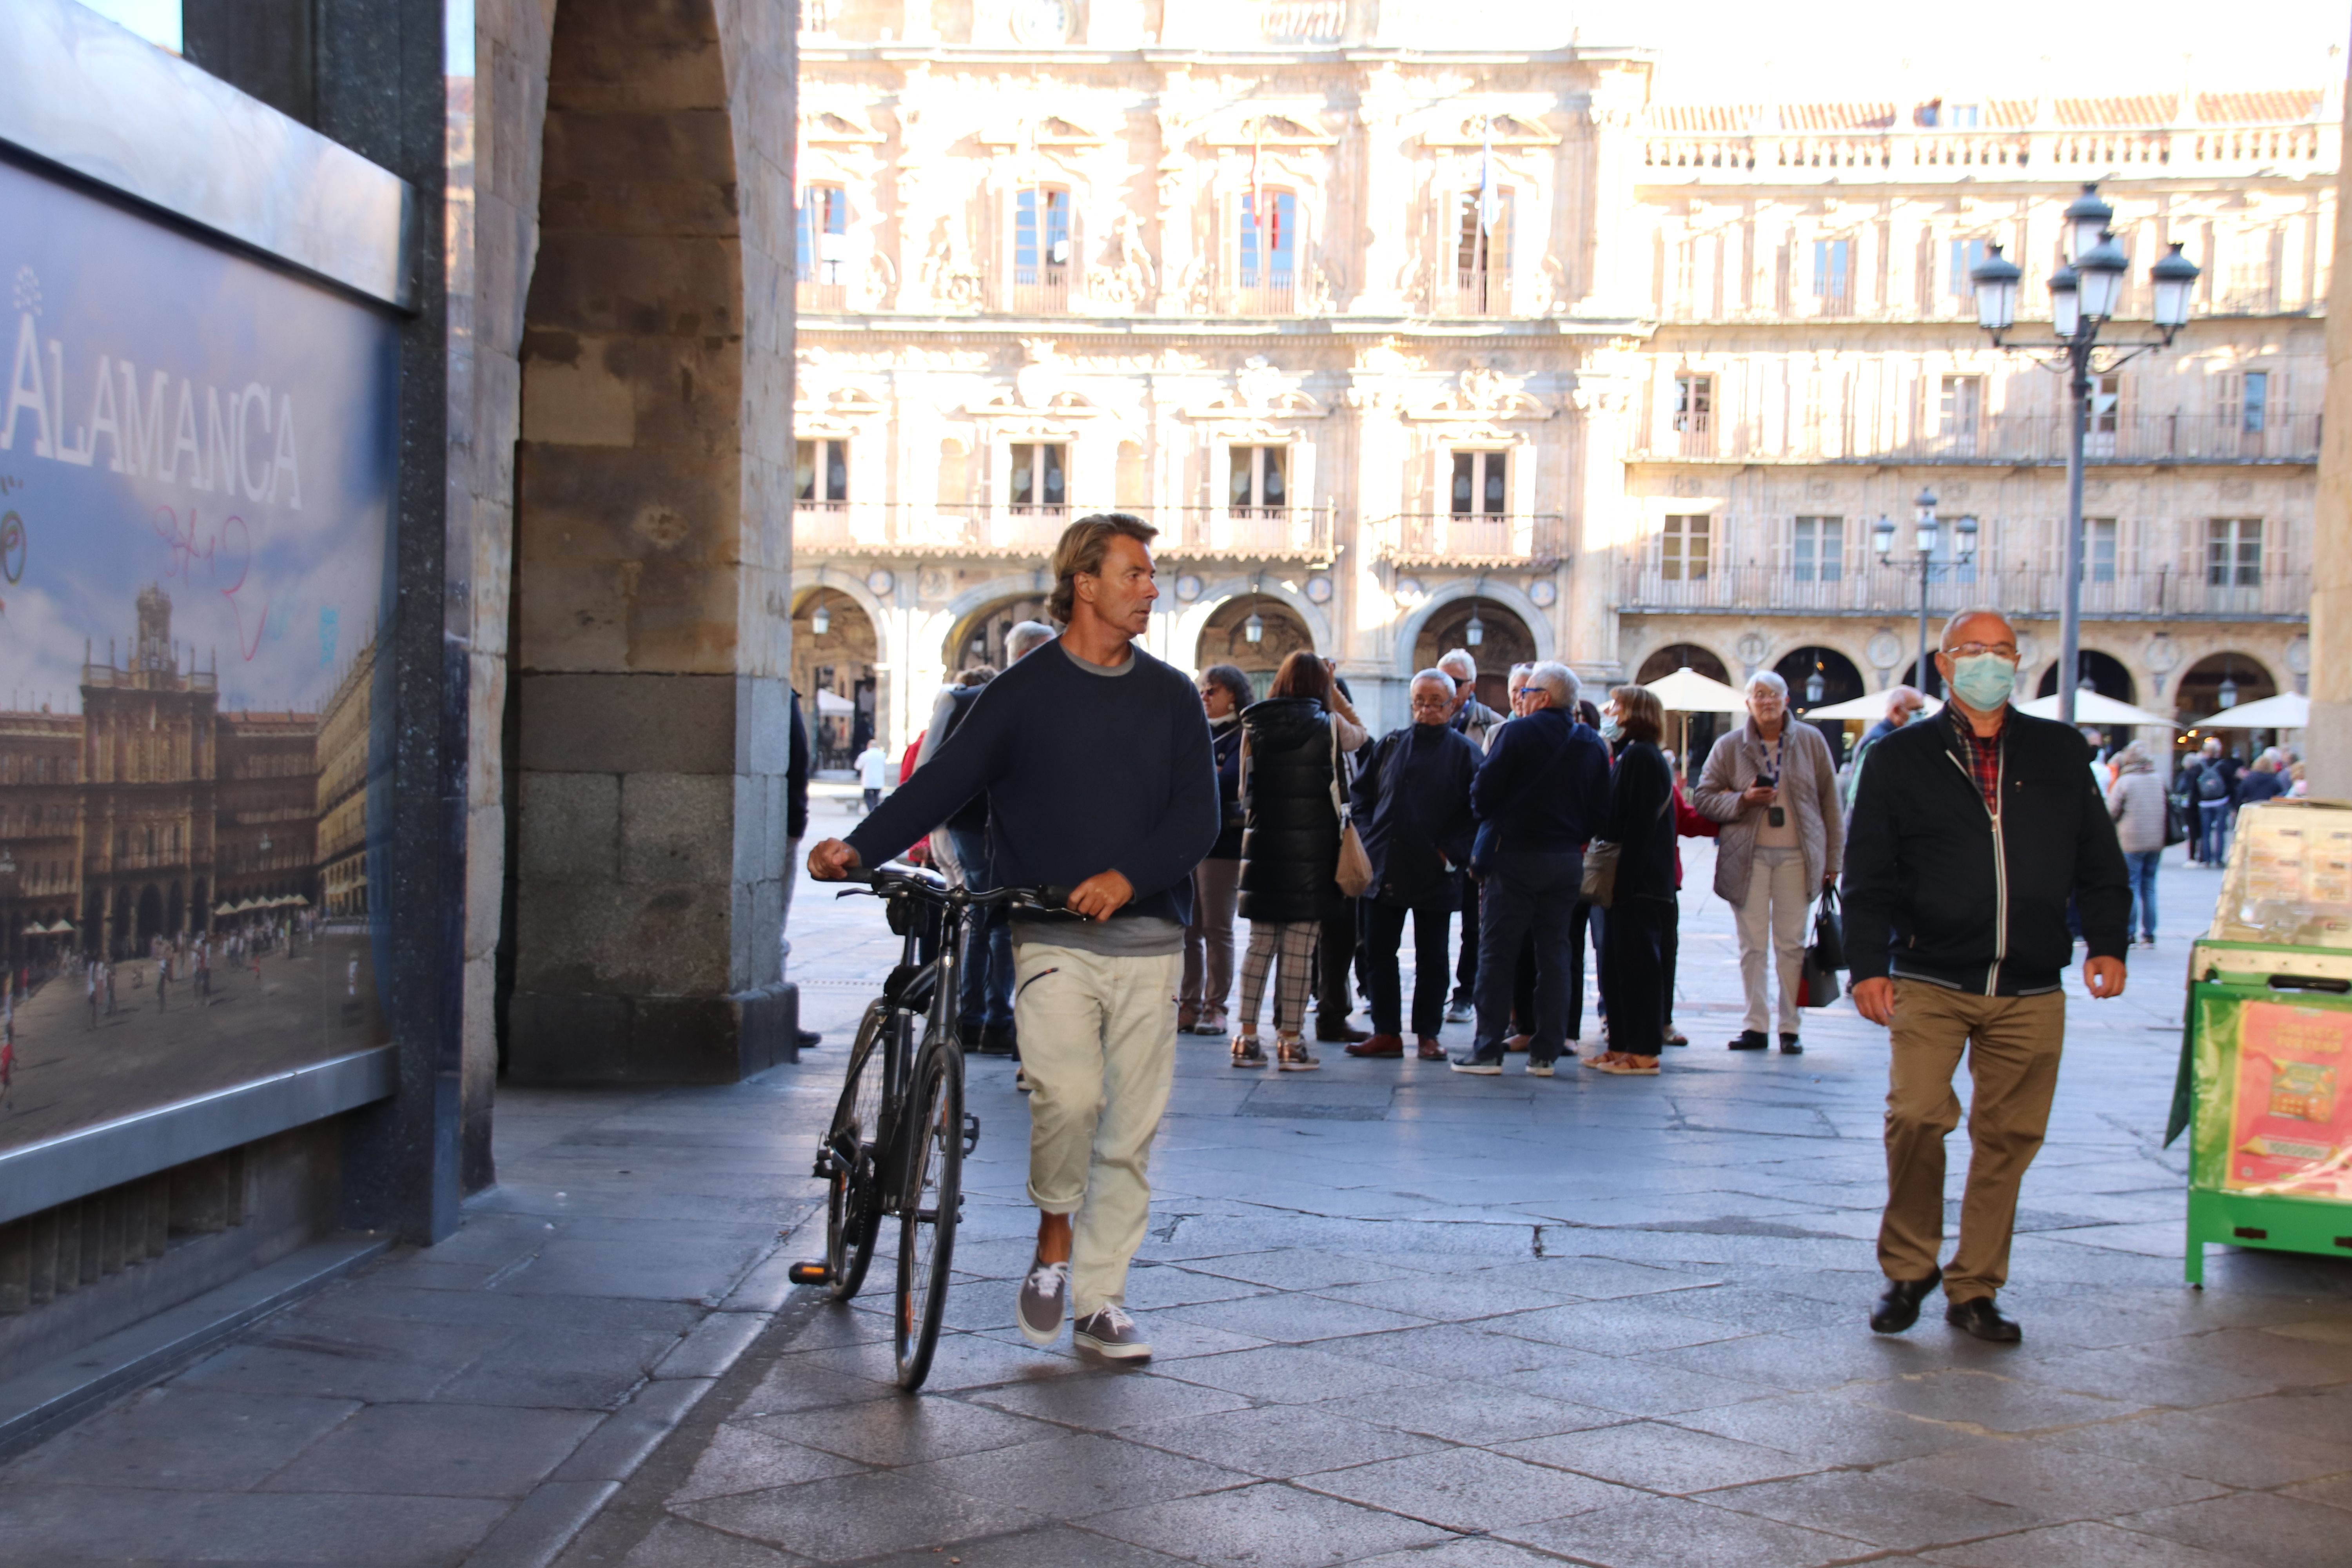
(1290, 848)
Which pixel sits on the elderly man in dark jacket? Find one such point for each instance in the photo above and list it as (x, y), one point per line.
(1541, 795)
(1970, 835)
(1413, 806)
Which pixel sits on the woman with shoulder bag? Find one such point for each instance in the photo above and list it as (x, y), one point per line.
(1641, 887)
(1774, 786)
(1290, 852)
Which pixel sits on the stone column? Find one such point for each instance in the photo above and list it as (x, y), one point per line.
(1602, 522)
(2327, 744)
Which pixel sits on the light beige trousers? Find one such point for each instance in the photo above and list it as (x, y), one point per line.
(1771, 926)
(1099, 1041)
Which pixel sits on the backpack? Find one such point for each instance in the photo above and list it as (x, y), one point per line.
(2210, 784)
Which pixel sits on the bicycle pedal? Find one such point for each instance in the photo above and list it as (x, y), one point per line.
(971, 1132)
(809, 1274)
(823, 1170)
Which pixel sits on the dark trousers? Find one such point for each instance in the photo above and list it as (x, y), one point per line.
(1669, 943)
(1334, 997)
(1523, 992)
(1465, 973)
(1527, 893)
(1632, 977)
(2213, 831)
(1383, 932)
(985, 983)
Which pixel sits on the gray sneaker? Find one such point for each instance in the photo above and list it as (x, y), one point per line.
(1045, 1295)
(1461, 1012)
(1110, 1332)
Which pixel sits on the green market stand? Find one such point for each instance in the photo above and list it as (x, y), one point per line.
(2264, 1087)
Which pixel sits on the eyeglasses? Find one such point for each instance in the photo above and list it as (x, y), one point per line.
(1972, 649)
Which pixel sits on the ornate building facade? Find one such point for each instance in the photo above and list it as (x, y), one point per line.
(1405, 344)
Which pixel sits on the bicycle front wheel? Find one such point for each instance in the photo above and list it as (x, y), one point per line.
(852, 1214)
(934, 1197)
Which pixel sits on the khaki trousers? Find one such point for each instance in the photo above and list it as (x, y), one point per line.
(1771, 925)
(1099, 1041)
(2013, 1045)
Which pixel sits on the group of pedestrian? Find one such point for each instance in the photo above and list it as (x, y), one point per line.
(2212, 786)
(1104, 770)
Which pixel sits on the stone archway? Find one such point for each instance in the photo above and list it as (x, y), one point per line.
(1839, 681)
(833, 670)
(2200, 693)
(1226, 640)
(1498, 640)
(648, 615)
(1694, 733)
(2109, 677)
(978, 637)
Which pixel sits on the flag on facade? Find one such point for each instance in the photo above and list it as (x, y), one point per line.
(1490, 195)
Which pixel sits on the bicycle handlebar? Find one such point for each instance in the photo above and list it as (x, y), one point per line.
(883, 880)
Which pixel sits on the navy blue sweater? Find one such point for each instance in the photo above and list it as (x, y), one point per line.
(1544, 784)
(1083, 774)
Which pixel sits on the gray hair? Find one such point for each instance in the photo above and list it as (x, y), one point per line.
(1437, 674)
(1026, 637)
(1558, 681)
(1901, 697)
(1971, 613)
(1770, 679)
(1459, 664)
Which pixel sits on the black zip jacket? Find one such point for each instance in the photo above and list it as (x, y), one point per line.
(1935, 890)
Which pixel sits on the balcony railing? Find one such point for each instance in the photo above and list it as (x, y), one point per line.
(1031, 290)
(2005, 438)
(1472, 538)
(1911, 154)
(832, 298)
(1263, 533)
(1266, 294)
(1644, 587)
(1470, 292)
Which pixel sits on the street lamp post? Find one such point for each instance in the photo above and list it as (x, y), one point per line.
(2085, 296)
(1927, 535)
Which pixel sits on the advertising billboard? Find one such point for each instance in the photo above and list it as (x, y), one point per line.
(196, 466)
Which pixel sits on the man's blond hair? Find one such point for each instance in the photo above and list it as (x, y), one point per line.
(1082, 548)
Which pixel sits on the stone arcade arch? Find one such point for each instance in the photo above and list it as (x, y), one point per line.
(1505, 639)
(2198, 695)
(649, 603)
(836, 673)
(1840, 682)
(2109, 677)
(1226, 638)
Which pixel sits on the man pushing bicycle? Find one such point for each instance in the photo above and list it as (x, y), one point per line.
(1096, 760)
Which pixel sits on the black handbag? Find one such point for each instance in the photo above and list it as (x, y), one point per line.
(1818, 983)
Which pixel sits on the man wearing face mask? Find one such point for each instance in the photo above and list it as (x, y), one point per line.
(1969, 835)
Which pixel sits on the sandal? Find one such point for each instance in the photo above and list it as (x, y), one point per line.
(1626, 1066)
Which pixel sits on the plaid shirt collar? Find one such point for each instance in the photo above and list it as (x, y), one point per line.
(1980, 752)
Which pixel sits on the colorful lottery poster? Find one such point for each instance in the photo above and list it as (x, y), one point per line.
(2290, 1117)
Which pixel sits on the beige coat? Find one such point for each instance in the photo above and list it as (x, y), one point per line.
(1808, 787)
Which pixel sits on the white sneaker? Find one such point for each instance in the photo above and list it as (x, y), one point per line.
(1110, 1332)
(1043, 1297)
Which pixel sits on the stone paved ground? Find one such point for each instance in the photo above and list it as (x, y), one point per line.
(1411, 1318)
(1404, 1317)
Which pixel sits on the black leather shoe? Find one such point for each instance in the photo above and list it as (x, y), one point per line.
(1977, 1316)
(1750, 1040)
(1789, 1047)
(1899, 1309)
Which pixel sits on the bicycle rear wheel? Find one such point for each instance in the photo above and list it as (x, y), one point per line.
(853, 1214)
(932, 1198)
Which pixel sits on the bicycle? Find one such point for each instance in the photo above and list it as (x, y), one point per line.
(899, 1132)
